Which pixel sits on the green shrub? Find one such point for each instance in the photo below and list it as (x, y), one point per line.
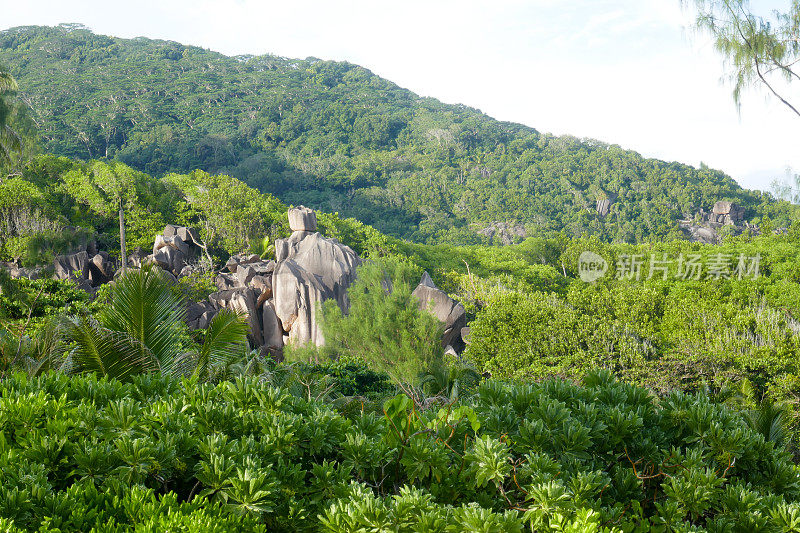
(161, 454)
(384, 326)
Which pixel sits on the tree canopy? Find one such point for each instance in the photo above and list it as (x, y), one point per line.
(336, 137)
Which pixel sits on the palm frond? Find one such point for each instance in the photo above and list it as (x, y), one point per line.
(226, 338)
(143, 306)
(770, 419)
(108, 353)
(48, 347)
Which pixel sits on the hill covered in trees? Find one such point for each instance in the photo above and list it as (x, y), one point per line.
(335, 136)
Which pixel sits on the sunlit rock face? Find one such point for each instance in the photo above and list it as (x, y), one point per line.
(313, 269)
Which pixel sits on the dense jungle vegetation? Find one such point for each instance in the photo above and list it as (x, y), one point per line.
(707, 445)
(338, 138)
(650, 402)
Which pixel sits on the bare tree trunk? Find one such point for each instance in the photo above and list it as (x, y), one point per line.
(123, 253)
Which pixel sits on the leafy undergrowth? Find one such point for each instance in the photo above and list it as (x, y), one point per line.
(158, 454)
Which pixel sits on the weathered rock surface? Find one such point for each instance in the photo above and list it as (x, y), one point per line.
(243, 301)
(603, 206)
(285, 248)
(200, 314)
(297, 295)
(72, 266)
(244, 274)
(445, 309)
(16, 271)
(173, 241)
(503, 232)
(169, 259)
(264, 285)
(100, 270)
(724, 218)
(315, 269)
(175, 248)
(302, 218)
(465, 334)
(225, 282)
(136, 258)
(272, 329)
(235, 260)
(725, 212)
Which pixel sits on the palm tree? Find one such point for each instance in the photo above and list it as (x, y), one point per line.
(142, 330)
(450, 381)
(9, 140)
(762, 414)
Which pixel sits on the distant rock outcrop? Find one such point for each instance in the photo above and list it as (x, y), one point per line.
(603, 206)
(705, 226)
(726, 213)
(503, 232)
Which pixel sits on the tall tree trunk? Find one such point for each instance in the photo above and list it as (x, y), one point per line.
(123, 253)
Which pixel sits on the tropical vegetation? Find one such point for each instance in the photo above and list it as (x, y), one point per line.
(653, 398)
(338, 138)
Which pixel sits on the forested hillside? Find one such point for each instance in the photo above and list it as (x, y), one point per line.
(335, 136)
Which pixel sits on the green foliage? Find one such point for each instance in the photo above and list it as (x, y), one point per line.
(227, 211)
(9, 139)
(141, 330)
(665, 334)
(350, 378)
(338, 138)
(156, 454)
(384, 326)
(196, 286)
(99, 189)
(39, 298)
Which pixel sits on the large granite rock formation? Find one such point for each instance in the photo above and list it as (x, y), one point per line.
(724, 218)
(175, 248)
(504, 233)
(302, 219)
(101, 270)
(88, 271)
(312, 269)
(280, 298)
(603, 206)
(72, 266)
(726, 213)
(448, 311)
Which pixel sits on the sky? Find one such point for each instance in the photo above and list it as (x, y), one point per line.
(626, 72)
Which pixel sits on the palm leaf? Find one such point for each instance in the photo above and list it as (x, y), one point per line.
(226, 337)
(143, 306)
(49, 346)
(107, 353)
